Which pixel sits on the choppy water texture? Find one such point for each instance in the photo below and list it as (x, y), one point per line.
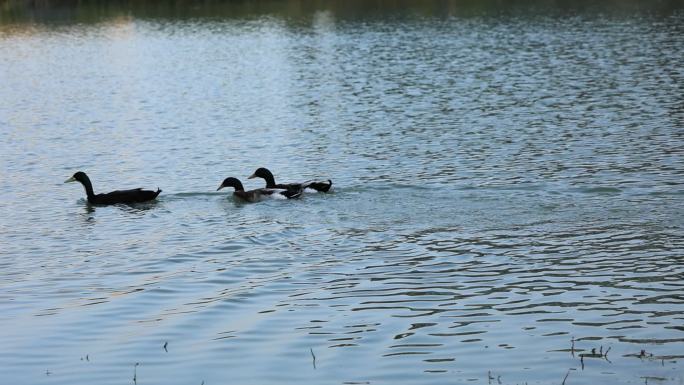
(509, 196)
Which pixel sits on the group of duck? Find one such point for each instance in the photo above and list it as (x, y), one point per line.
(272, 189)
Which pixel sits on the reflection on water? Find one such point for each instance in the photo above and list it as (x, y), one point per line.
(60, 11)
(508, 203)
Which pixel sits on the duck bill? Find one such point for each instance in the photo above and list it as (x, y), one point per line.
(220, 187)
(72, 179)
(252, 176)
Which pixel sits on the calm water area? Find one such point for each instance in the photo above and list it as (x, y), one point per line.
(508, 201)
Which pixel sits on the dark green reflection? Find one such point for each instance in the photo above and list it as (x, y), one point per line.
(92, 11)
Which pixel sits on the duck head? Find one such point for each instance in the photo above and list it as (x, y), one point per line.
(231, 182)
(261, 172)
(78, 177)
(84, 180)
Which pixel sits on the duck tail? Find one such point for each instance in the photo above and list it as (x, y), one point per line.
(325, 187)
(321, 186)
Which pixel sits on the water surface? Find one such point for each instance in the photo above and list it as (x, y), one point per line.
(508, 194)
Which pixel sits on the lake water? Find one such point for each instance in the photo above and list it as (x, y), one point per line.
(509, 193)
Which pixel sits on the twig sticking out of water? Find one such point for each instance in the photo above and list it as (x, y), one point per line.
(566, 377)
(314, 358)
(650, 357)
(594, 354)
(490, 377)
(135, 373)
(572, 348)
(644, 354)
(165, 345)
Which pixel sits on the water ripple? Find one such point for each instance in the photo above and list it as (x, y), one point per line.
(507, 201)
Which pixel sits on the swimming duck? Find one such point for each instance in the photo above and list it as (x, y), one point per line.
(320, 186)
(118, 196)
(257, 194)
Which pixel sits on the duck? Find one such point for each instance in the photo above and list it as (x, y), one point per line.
(119, 196)
(257, 194)
(264, 173)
